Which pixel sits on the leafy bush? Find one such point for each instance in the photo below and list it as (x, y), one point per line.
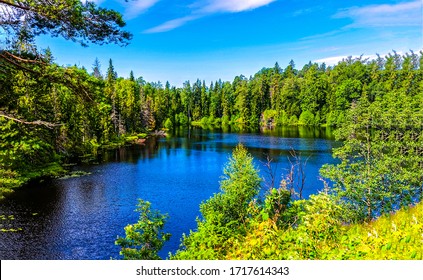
(168, 124)
(215, 121)
(225, 120)
(144, 239)
(181, 119)
(320, 234)
(293, 120)
(306, 118)
(204, 121)
(269, 117)
(282, 118)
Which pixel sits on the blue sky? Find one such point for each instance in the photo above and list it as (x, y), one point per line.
(184, 40)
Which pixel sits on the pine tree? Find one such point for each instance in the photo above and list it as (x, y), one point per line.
(97, 69)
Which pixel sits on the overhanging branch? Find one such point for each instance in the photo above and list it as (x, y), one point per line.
(14, 63)
(6, 53)
(15, 5)
(49, 125)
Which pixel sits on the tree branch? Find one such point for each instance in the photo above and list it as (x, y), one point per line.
(2, 52)
(15, 5)
(15, 63)
(49, 125)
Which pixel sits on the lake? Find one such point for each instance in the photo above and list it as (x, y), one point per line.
(80, 218)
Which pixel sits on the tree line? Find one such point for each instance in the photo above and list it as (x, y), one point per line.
(314, 95)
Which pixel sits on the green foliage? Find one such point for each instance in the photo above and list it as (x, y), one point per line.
(306, 118)
(204, 121)
(275, 206)
(225, 120)
(168, 124)
(182, 119)
(144, 239)
(217, 122)
(348, 91)
(320, 234)
(48, 112)
(73, 20)
(269, 117)
(282, 118)
(381, 162)
(393, 236)
(317, 119)
(293, 120)
(323, 227)
(324, 92)
(9, 180)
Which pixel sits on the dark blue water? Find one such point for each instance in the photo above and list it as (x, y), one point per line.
(80, 218)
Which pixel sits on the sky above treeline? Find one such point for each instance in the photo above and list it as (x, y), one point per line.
(184, 40)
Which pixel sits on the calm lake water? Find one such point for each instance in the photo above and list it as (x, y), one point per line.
(79, 218)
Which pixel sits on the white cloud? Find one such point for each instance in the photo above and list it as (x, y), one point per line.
(4, 9)
(207, 7)
(233, 6)
(133, 8)
(333, 60)
(171, 24)
(136, 7)
(401, 14)
(8, 13)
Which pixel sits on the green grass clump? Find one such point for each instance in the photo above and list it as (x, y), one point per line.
(397, 236)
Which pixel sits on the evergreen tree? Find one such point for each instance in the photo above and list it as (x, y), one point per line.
(96, 69)
(225, 214)
(144, 239)
(110, 92)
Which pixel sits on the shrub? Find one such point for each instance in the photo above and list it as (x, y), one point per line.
(293, 120)
(144, 239)
(168, 124)
(306, 118)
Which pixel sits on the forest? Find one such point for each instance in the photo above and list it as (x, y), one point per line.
(51, 115)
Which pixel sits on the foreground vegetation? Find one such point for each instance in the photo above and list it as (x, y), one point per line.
(236, 224)
(319, 234)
